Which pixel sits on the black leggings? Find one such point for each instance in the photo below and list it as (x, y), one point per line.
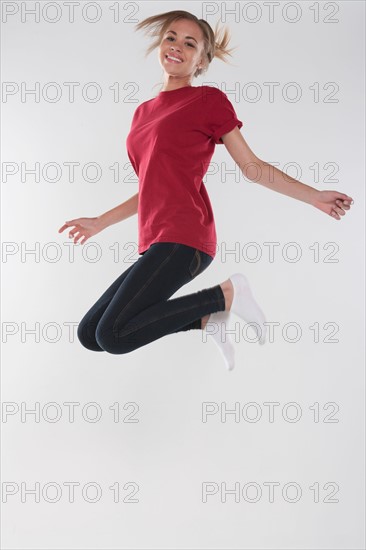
(135, 309)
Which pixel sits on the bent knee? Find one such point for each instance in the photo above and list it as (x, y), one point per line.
(86, 337)
(111, 342)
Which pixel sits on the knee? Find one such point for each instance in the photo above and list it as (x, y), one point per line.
(111, 342)
(86, 337)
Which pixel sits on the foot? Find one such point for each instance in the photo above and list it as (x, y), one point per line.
(244, 305)
(216, 327)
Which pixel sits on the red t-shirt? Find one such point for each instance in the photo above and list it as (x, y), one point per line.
(170, 145)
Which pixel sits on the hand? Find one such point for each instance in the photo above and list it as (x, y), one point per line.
(83, 227)
(332, 202)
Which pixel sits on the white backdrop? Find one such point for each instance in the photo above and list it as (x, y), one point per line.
(147, 438)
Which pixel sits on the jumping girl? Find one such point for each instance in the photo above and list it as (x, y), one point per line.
(170, 144)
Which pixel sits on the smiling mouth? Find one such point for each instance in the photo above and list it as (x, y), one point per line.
(173, 59)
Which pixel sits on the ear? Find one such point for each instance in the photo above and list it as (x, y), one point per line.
(201, 62)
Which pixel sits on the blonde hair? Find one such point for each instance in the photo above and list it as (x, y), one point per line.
(214, 44)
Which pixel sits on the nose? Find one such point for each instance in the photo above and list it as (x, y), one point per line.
(176, 47)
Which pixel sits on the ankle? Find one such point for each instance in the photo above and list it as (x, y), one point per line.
(228, 291)
(204, 321)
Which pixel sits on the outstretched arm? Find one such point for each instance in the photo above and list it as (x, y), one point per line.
(333, 203)
(84, 228)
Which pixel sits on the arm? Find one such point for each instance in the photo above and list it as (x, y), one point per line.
(84, 228)
(119, 213)
(255, 169)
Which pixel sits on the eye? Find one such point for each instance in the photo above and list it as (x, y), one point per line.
(189, 43)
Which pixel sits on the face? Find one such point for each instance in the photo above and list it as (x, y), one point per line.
(183, 40)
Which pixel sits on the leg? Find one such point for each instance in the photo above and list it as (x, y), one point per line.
(239, 300)
(140, 311)
(88, 324)
(228, 290)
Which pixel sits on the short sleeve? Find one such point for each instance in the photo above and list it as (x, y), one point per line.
(222, 116)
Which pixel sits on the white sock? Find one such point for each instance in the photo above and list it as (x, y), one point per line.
(216, 328)
(246, 307)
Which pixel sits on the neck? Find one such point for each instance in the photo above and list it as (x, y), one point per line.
(174, 84)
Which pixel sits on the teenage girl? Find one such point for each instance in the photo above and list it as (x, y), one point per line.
(171, 141)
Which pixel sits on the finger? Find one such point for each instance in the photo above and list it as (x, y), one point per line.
(74, 231)
(339, 210)
(345, 198)
(73, 234)
(79, 235)
(71, 223)
(65, 226)
(343, 204)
